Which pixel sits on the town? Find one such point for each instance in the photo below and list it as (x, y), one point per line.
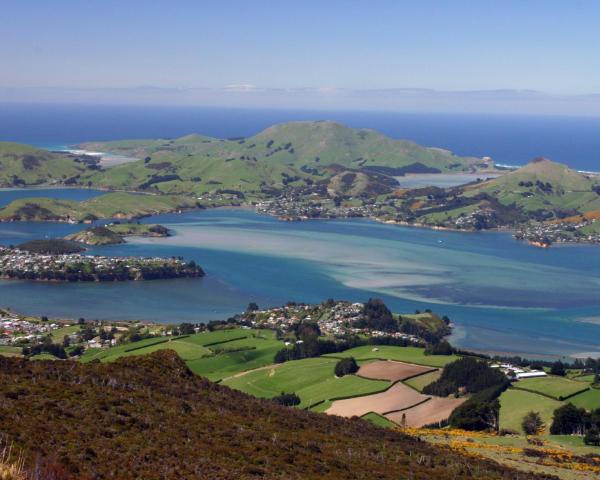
(16, 263)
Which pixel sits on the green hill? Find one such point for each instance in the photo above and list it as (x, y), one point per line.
(112, 205)
(151, 418)
(296, 153)
(22, 165)
(543, 185)
(541, 191)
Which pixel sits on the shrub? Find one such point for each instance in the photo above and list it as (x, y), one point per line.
(558, 368)
(592, 437)
(346, 366)
(287, 399)
(532, 423)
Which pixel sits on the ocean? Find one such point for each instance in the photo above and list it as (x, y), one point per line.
(512, 140)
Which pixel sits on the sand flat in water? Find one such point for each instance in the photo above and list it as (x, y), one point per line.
(392, 370)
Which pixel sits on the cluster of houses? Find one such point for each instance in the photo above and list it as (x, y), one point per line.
(293, 208)
(14, 330)
(16, 263)
(518, 373)
(335, 319)
(546, 233)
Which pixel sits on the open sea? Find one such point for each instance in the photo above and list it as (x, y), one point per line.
(512, 140)
(501, 294)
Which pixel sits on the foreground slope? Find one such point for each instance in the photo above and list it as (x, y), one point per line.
(150, 417)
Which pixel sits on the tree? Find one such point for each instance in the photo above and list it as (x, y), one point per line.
(532, 423)
(186, 329)
(378, 317)
(252, 307)
(440, 348)
(346, 366)
(558, 368)
(569, 420)
(287, 399)
(592, 436)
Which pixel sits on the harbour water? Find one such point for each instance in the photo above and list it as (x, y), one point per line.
(502, 295)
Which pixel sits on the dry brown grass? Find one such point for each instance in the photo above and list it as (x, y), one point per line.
(10, 469)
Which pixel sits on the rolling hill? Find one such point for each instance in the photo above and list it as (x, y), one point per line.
(22, 165)
(543, 185)
(543, 192)
(118, 205)
(295, 153)
(150, 417)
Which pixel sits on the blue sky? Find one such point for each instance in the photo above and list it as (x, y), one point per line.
(459, 45)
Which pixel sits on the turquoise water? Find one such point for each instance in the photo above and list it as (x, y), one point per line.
(503, 295)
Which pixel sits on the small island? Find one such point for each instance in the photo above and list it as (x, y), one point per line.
(115, 233)
(40, 265)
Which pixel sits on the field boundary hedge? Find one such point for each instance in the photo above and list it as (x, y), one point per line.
(332, 355)
(158, 342)
(560, 398)
(212, 344)
(408, 408)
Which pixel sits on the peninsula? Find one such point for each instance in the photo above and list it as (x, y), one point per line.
(320, 169)
(115, 233)
(18, 263)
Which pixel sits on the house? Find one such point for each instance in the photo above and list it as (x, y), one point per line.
(533, 374)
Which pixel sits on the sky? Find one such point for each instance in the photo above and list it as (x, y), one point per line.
(281, 52)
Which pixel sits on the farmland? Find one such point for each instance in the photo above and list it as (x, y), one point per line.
(515, 404)
(405, 354)
(589, 399)
(312, 379)
(422, 381)
(212, 354)
(390, 370)
(555, 387)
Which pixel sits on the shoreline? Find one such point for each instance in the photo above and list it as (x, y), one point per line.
(252, 207)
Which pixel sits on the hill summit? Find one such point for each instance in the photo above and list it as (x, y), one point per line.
(151, 418)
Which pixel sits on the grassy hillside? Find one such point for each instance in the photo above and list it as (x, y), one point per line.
(544, 185)
(150, 417)
(547, 200)
(286, 154)
(22, 165)
(112, 205)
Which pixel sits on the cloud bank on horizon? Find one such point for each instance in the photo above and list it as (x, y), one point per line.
(384, 100)
(463, 56)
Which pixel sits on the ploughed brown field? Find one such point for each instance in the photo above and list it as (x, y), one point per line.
(432, 411)
(391, 370)
(397, 397)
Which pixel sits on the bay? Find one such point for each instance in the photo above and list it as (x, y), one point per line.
(501, 294)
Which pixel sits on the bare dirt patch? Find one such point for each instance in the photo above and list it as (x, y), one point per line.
(432, 411)
(392, 371)
(397, 397)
